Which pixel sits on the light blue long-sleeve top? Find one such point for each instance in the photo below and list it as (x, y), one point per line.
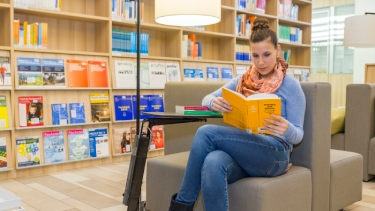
(293, 105)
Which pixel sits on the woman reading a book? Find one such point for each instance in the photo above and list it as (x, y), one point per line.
(222, 155)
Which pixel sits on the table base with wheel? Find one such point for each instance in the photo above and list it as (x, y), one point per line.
(132, 194)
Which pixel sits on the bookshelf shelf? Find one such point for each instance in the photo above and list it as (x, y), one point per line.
(302, 2)
(5, 169)
(60, 88)
(63, 162)
(294, 44)
(6, 48)
(224, 7)
(4, 6)
(58, 126)
(61, 15)
(6, 129)
(5, 88)
(207, 61)
(294, 22)
(206, 33)
(301, 67)
(56, 51)
(260, 15)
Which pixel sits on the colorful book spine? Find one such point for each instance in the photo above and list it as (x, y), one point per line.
(100, 111)
(226, 74)
(123, 107)
(77, 113)
(30, 111)
(3, 112)
(29, 72)
(28, 152)
(97, 71)
(98, 141)
(54, 147)
(212, 73)
(204, 113)
(78, 142)
(3, 152)
(59, 114)
(53, 72)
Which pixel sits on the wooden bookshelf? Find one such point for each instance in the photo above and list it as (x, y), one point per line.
(82, 29)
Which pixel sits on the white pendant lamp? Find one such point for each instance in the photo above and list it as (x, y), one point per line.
(359, 31)
(187, 12)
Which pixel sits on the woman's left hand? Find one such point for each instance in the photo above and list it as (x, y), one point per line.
(277, 125)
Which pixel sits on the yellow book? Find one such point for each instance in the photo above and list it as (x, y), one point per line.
(44, 35)
(3, 112)
(25, 33)
(100, 110)
(249, 113)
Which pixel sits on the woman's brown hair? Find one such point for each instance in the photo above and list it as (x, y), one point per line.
(261, 31)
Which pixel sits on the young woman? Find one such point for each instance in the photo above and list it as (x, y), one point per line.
(222, 155)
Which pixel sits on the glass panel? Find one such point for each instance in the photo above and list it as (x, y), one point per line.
(329, 55)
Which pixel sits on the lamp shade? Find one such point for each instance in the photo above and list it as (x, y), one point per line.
(187, 12)
(360, 31)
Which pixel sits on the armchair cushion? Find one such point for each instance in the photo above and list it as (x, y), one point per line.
(337, 120)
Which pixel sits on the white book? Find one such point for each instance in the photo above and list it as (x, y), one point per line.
(125, 74)
(240, 70)
(157, 74)
(173, 71)
(184, 46)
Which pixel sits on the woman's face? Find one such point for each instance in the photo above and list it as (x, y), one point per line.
(127, 136)
(264, 56)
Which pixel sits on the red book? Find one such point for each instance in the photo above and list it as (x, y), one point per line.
(180, 108)
(77, 73)
(157, 137)
(30, 109)
(97, 74)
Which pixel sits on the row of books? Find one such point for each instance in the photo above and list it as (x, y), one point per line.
(286, 9)
(31, 112)
(252, 5)
(126, 42)
(38, 72)
(5, 72)
(126, 10)
(123, 138)
(200, 28)
(190, 48)
(81, 144)
(39, 4)
(243, 53)
(302, 75)
(77, 144)
(244, 25)
(212, 73)
(34, 35)
(285, 54)
(290, 34)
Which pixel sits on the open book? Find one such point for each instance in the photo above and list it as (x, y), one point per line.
(249, 113)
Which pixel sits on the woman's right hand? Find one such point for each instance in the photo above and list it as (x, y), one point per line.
(221, 105)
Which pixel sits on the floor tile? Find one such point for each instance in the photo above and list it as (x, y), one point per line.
(91, 198)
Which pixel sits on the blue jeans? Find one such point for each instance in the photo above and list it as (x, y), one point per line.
(222, 155)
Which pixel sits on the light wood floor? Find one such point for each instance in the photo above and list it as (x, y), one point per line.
(101, 188)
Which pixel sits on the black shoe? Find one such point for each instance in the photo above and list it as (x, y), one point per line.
(179, 206)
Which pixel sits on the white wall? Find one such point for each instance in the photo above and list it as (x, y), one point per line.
(363, 55)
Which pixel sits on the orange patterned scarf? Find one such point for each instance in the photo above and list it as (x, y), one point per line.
(251, 84)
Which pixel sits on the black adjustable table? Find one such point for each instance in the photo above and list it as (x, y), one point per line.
(132, 194)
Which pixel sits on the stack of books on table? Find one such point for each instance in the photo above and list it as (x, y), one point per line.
(196, 110)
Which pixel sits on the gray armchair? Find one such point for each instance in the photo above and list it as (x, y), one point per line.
(313, 183)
